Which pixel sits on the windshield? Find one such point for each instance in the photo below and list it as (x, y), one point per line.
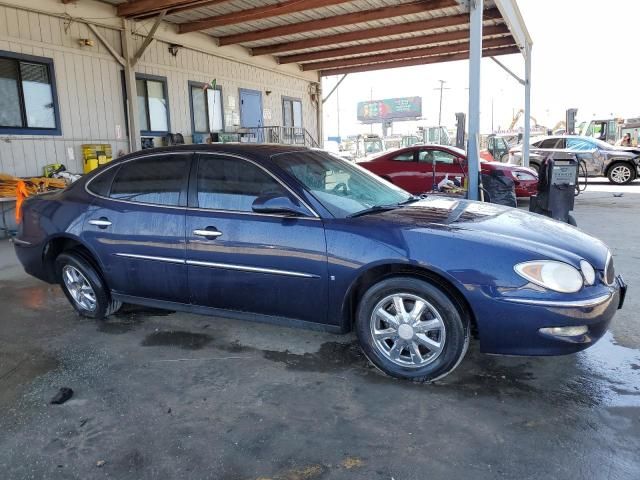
(341, 187)
(373, 146)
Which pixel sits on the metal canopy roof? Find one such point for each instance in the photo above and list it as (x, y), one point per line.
(343, 36)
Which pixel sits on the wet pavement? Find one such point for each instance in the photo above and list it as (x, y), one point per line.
(172, 395)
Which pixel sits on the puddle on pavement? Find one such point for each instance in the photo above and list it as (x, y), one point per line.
(129, 317)
(331, 356)
(177, 338)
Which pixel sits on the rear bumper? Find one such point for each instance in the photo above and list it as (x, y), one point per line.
(30, 256)
(511, 325)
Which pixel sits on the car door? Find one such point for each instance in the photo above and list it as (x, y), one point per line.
(588, 154)
(259, 263)
(439, 162)
(401, 170)
(136, 225)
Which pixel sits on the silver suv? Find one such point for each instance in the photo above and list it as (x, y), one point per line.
(620, 165)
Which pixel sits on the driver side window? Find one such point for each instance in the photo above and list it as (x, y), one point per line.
(439, 156)
(233, 184)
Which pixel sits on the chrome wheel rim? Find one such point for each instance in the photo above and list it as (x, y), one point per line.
(407, 330)
(79, 288)
(620, 174)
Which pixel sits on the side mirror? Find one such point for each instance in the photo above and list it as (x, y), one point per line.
(278, 204)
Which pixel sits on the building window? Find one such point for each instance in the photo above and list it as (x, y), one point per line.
(28, 100)
(206, 108)
(292, 112)
(153, 105)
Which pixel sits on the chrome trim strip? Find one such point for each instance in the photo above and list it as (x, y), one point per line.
(151, 257)
(196, 152)
(17, 241)
(244, 268)
(590, 302)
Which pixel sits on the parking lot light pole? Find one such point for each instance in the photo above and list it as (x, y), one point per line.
(475, 57)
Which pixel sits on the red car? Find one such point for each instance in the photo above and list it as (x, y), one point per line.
(412, 168)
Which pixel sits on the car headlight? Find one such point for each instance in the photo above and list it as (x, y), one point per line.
(523, 176)
(556, 276)
(588, 272)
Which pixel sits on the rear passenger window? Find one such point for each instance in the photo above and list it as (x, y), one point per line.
(159, 180)
(404, 157)
(101, 184)
(233, 184)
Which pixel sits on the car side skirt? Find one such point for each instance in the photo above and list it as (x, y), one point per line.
(231, 314)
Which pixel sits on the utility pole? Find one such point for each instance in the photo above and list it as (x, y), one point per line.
(441, 88)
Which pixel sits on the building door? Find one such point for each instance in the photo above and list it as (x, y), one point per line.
(251, 113)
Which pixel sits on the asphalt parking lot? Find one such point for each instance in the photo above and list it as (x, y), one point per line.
(171, 395)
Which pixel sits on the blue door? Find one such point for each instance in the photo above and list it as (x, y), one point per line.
(249, 262)
(136, 226)
(251, 112)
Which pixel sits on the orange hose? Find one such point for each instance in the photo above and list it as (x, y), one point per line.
(21, 194)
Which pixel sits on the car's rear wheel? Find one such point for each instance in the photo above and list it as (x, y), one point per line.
(534, 166)
(84, 287)
(621, 173)
(411, 329)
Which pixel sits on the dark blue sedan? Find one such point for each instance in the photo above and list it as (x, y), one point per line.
(299, 237)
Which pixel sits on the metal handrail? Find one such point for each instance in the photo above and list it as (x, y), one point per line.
(281, 135)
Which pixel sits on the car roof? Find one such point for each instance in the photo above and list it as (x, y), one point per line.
(251, 150)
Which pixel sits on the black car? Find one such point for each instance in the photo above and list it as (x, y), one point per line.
(620, 165)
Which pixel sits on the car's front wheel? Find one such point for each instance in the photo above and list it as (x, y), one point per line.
(621, 173)
(84, 287)
(411, 329)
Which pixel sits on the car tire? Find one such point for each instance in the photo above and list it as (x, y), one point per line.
(621, 173)
(84, 287)
(535, 167)
(441, 333)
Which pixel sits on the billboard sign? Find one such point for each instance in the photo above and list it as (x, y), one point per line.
(376, 111)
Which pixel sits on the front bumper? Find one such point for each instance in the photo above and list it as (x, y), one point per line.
(511, 325)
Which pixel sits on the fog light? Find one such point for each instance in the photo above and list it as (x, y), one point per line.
(565, 331)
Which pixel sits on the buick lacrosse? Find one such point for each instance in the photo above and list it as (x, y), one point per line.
(299, 237)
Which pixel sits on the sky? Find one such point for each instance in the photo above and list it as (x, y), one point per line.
(585, 56)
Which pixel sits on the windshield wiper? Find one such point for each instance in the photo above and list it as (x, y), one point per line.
(375, 209)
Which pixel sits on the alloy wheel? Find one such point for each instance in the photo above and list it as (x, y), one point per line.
(621, 174)
(79, 288)
(408, 330)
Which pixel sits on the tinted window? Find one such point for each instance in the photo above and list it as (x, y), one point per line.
(232, 184)
(404, 157)
(101, 184)
(552, 143)
(159, 180)
(440, 156)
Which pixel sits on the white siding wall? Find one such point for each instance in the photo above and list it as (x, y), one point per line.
(190, 65)
(88, 87)
(90, 93)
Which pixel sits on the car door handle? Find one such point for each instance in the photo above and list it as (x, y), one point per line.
(101, 222)
(209, 232)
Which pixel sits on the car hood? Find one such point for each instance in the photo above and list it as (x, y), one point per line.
(499, 226)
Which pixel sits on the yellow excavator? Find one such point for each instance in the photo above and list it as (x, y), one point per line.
(517, 117)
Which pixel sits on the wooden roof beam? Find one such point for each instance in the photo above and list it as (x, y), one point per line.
(258, 13)
(421, 41)
(366, 34)
(146, 8)
(420, 6)
(404, 54)
(490, 52)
